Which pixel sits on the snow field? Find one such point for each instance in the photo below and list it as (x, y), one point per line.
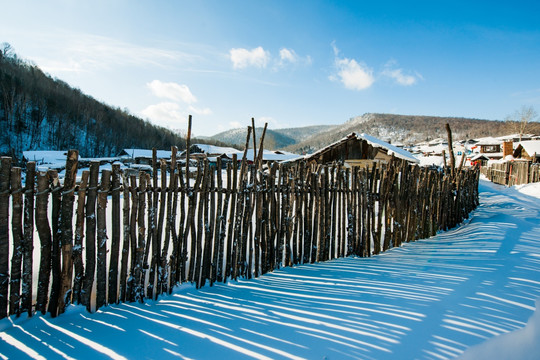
(432, 299)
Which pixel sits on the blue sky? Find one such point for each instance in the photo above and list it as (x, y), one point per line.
(288, 63)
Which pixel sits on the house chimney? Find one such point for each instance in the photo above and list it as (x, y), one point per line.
(508, 148)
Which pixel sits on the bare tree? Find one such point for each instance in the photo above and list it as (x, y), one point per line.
(520, 118)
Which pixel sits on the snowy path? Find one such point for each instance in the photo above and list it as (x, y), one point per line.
(426, 300)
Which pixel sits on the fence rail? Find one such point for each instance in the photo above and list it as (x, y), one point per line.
(114, 237)
(513, 173)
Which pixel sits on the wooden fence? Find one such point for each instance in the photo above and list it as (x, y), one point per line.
(513, 172)
(112, 237)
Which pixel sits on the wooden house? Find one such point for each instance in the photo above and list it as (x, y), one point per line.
(359, 150)
(529, 150)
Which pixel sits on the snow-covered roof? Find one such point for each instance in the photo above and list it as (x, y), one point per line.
(489, 141)
(268, 155)
(144, 153)
(373, 141)
(531, 146)
(215, 150)
(398, 152)
(46, 156)
(479, 156)
(437, 141)
(515, 136)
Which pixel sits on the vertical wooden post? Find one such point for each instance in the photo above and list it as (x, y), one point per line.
(28, 238)
(126, 236)
(91, 196)
(217, 254)
(44, 231)
(231, 189)
(101, 274)
(254, 142)
(56, 264)
(133, 239)
(115, 240)
(5, 172)
(451, 151)
(78, 242)
(17, 233)
(66, 225)
(188, 145)
(182, 241)
(170, 227)
(141, 230)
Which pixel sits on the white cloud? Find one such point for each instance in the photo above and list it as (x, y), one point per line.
(198, 111)
(242, 58)
(287, 55)
(398, 76)
(273, 123)
(172, 91)
(171, 114)
(167, 114)
(353, 75)
(235, 124)
(71, 52)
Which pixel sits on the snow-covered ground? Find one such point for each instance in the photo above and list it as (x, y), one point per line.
(453, 294)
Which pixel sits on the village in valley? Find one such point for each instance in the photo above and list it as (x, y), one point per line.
(484, 152)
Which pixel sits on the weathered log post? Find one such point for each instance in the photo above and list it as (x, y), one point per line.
(5, 172)
(451, 151)
(231, 190)
(170, 225)
(133, 239)
(141, 231)
(56, 261)
(154, 284)
(28, 238)
(126, 236)
(101, 273)
(115, 240)
(45, 238)
(78, 263)
(217, 253)
(66, 228)
(17, 235)
(90, 250)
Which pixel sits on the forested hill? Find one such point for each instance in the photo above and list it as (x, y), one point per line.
(411, 129)
(38, 112)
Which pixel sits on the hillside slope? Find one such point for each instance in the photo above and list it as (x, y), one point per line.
(274, 138)
(38, 112)
(409, 129)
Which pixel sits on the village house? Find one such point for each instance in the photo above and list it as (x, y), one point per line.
(359, 150)
(528, 150)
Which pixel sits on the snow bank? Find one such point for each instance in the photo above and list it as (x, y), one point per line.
(529, 189)
(522, 344)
